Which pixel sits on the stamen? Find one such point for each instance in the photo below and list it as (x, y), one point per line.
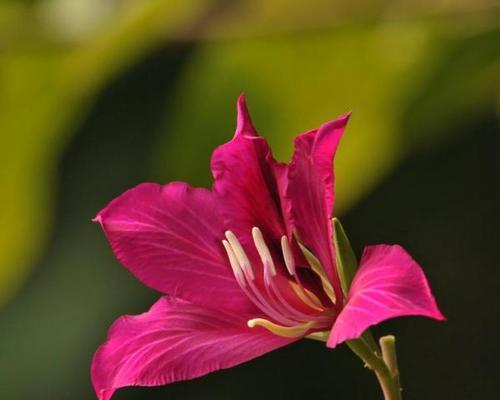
(288, 308)
(316, 266)
(285, 331)
(252, 291)
(286, 317)
(238, 273)
(240, 254)
(287, 255)
(308, 297)
(263, 250)
(266, 305)
(269, 272)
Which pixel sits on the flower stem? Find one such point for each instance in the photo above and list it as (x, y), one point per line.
(388, 346)
(384, 366)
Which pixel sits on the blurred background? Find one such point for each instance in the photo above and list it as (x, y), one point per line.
(99, 95)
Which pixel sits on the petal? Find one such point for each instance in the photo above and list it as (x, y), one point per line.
(244, 125)
(388, 284)
(170, 238)
(246, 183)
(310, 190)
(175, 341)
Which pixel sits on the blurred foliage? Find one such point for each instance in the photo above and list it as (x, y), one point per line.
(376, 68)
(45, 86)
(96, 96)
(295, 82)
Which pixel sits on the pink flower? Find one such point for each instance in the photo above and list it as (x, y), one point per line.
(246, 268)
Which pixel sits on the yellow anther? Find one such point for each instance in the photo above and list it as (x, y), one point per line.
(238, 273)
(280, 330)
(308, 298)
(240, 254)
(287, 255)
(263, 250)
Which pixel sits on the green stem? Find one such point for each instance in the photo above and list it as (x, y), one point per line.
(388, 346)
(388, 382)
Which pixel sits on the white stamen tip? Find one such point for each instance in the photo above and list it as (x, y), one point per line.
(238, 273)
(287, 255)
(240, 254)
(263, 250)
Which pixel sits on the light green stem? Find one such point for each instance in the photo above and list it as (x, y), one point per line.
(388, 346)
(388, 379)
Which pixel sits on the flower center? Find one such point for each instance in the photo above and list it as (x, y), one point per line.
(292, 309)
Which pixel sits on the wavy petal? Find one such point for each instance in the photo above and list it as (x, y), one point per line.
(310, 190)
(170, 238)
(175, 341)
(388, 284)
(248, 182)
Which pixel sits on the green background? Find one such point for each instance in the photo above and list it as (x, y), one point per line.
(97, 96)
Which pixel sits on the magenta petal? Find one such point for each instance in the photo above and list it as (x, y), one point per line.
(175, 341)
(246, 182)
(244, 125)
(310, 190)
(170, 237)
(388, 284)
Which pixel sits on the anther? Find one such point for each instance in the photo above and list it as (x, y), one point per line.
(238, 273)
(280, 330)
(287, 255)
(263, 250)
(240, 254)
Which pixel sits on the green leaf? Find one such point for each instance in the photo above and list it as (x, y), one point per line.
(347, 264)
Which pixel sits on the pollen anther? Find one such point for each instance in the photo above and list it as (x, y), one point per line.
(240, 254)
(263, 250)
(238, 273)
(280, 330)
(287, 255)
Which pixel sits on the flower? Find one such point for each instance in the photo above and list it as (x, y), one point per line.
(245, 268)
